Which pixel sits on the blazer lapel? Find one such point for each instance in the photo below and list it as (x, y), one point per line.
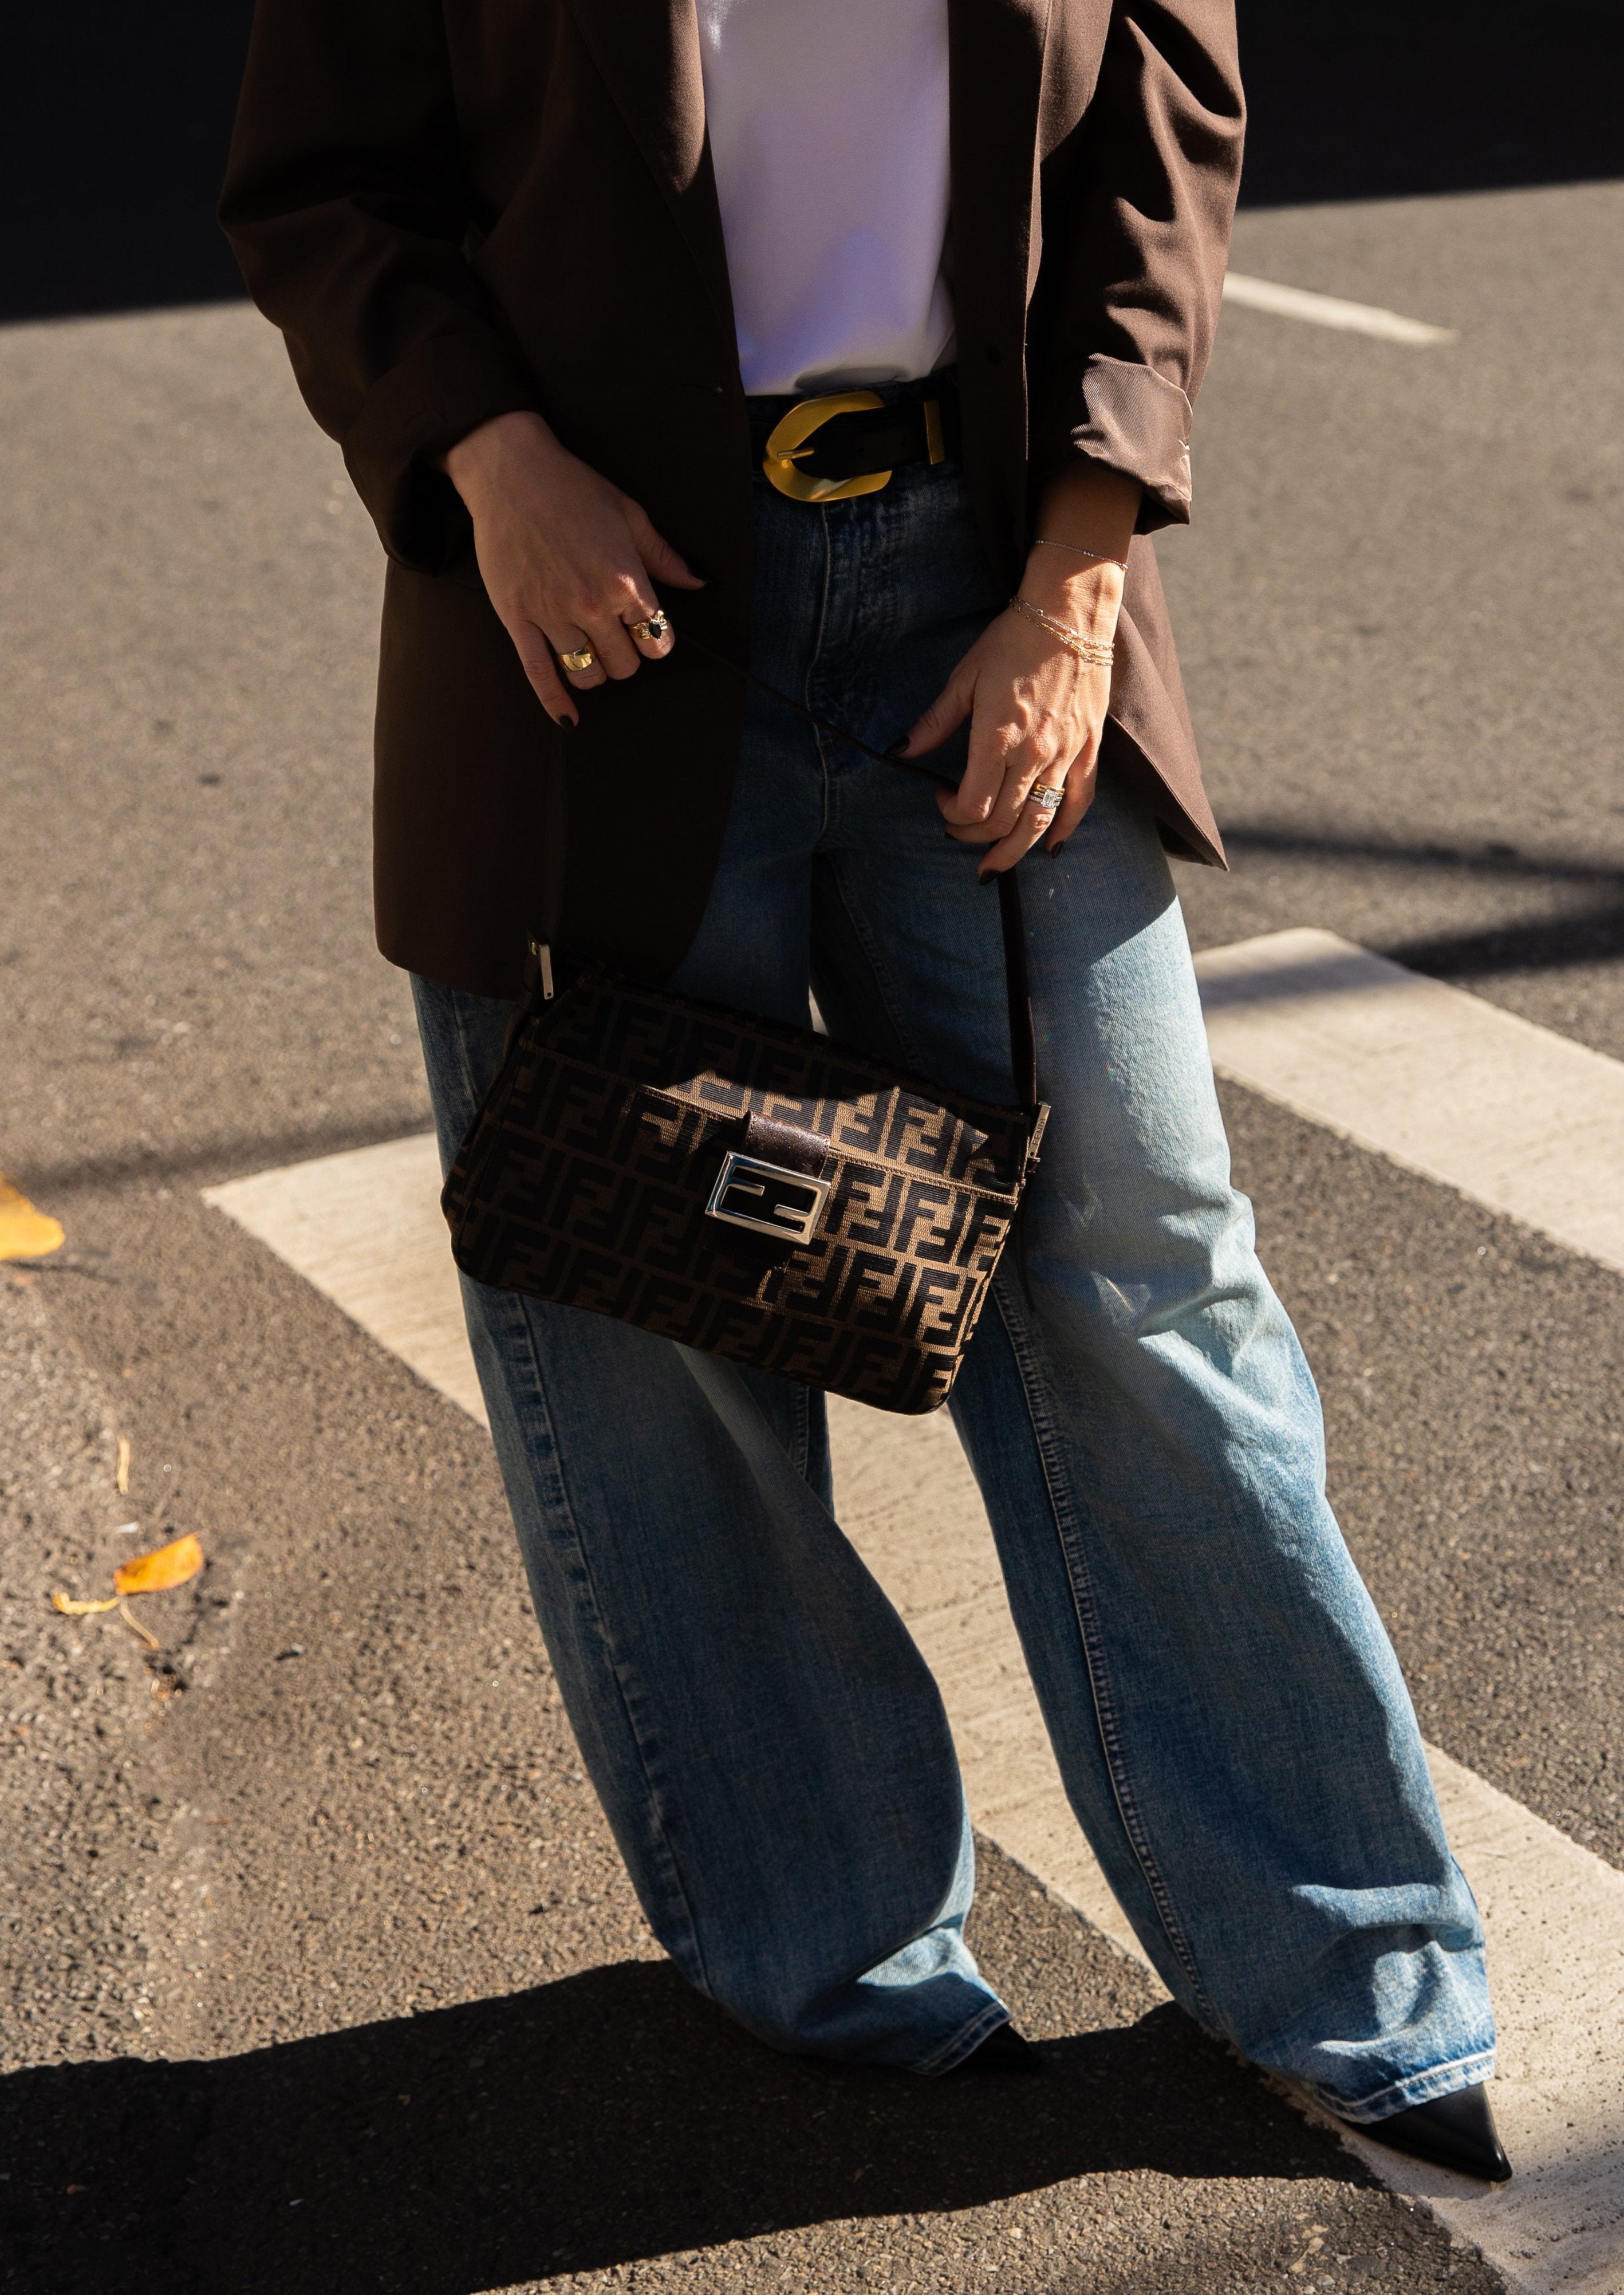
(648, 54)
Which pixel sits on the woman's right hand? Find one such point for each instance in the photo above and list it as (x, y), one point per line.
(568, 560)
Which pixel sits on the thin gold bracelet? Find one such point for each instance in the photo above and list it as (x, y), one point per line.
(1045, 541)
(1094, 651)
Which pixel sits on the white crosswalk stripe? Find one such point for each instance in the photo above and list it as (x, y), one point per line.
(1527, 1122)
(1330, 311)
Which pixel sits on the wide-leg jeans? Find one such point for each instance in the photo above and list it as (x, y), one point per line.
(1232, 1727)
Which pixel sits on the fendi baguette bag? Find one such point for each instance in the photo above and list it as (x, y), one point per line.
(752, 1189)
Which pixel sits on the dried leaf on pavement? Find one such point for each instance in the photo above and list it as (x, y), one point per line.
(24, 1232)
(146, 1573)
(165, 1566)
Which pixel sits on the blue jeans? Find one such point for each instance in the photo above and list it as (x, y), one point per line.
(1229, 1718)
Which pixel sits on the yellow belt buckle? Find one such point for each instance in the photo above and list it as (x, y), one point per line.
(787, 443)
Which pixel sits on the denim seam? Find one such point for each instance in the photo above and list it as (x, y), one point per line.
(819, 631)
(1064, 1514)
(1045, 1436)
(800, 1412)
(474, 1095)
(668, 1854)
(1415, 2087)
(893, 1008)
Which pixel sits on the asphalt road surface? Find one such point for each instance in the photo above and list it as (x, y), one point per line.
(323, 1974)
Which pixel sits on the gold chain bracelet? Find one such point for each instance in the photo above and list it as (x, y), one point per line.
(1094, 651)
(1078, 549)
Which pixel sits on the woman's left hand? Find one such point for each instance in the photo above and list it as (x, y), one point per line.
(1036, 710)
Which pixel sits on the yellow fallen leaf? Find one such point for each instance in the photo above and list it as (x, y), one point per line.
(24, 1232)
(165, 1566)
(69, 1608)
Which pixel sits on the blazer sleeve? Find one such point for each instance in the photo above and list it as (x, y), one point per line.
(347, 208)
(1143, 223)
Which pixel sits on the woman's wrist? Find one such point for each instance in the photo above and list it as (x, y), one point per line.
(1093, 647)
(474, 463)
(1087, 599)
(1086, 517)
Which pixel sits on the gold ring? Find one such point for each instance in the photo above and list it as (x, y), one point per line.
(655, 627)
(1048, 795)
(579, 661)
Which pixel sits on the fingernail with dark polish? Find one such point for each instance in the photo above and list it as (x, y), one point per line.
(900, 748)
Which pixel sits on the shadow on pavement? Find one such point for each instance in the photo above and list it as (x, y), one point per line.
(115, 133)
(1411, 97)
(1589, 935)
(206, 1163)
(114, 129)
(1487, 860)
(1540, 944)
(609, 2117)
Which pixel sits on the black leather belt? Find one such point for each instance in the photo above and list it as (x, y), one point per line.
(849, 442)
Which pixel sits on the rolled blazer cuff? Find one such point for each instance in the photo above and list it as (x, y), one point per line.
(1133, 420)
(446, 387)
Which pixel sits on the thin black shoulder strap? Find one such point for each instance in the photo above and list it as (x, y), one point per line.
(1018, 988)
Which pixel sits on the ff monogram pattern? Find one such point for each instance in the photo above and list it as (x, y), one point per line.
(598, 1174)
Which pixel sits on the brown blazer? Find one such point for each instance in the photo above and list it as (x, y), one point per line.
(456, 207)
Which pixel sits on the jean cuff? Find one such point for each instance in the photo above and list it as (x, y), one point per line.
(1419, 2087)
(964, 2042)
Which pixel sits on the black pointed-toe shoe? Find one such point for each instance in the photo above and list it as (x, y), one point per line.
(1000, 2054)
(1454, 2131)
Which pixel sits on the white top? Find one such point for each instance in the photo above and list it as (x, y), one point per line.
(827, 125)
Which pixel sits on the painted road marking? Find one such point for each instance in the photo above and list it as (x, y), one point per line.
(1527, 1122)
(1330, 311)
(1349, 1048)
(365, 1228)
